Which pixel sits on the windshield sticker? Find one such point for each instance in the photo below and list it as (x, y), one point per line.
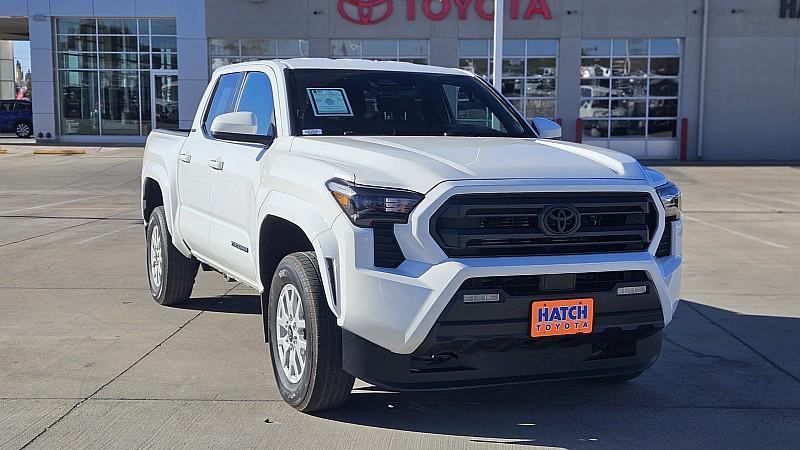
(329, 102)
(312, 132)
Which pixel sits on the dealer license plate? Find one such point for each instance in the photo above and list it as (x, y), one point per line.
(561, 317)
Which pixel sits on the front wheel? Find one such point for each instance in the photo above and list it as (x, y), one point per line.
(171, 274)
(23, 130)
(304, 340)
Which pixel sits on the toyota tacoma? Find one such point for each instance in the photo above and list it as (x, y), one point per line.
(405, 225)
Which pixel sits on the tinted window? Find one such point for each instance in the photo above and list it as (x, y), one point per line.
(6, 106)
(224, 96)
(385, 103)
(257, 98)
(23, 106)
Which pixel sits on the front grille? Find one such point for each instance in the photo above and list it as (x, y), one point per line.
(483, 225)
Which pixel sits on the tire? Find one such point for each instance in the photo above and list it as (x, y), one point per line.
(171, 275)
(318, 381)
(23, 129)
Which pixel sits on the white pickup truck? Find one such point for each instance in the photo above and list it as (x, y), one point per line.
(405, 225)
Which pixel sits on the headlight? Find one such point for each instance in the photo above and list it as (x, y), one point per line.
(366, 205)
(671, 199)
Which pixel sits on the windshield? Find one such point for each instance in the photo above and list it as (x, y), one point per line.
(329, 102)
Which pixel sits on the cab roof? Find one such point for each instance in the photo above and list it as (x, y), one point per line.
(364, 64)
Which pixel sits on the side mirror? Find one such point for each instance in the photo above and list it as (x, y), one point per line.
(546, 129)
(238, 126)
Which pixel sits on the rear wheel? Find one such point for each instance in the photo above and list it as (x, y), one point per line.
(304, 340)
(171, 274)
(23, 129)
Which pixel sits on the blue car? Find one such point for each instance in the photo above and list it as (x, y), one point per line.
(16, 116)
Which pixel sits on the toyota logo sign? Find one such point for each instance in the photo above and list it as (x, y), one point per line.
(560, 220)
(365, 12)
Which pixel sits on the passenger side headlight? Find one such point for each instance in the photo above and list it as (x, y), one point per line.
(670, 196)
(365, 205)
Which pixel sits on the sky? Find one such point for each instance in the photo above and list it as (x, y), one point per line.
(22, 53)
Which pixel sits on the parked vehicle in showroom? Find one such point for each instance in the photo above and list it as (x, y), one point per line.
(406, 226)
(16, 116)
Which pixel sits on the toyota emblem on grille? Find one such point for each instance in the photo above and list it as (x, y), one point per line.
(560, 220)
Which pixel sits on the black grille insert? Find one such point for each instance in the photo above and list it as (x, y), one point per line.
(665, 244)
(533, 284)
(482, 225)
(387, 250)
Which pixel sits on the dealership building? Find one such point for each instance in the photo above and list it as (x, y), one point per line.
(656, 79)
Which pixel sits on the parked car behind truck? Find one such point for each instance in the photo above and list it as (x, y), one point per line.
(406, 226)
(16, 116)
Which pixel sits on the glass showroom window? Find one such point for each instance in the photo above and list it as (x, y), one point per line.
(629, 94)
(405, 50)
(529, 71)
(104, 73)
(231, 51)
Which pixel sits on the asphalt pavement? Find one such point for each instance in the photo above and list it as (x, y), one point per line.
(89, 360)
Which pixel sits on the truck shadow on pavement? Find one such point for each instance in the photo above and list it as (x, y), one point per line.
(719, 382)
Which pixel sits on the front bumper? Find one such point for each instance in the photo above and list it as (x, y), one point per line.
(396, 309)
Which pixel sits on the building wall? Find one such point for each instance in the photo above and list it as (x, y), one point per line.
(752, 88)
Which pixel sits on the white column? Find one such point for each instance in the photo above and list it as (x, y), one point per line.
(499, 8)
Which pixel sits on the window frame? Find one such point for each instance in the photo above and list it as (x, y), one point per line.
(647, 78)
(273, 123)
(527, 54)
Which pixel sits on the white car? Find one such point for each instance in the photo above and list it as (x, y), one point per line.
(406, 226)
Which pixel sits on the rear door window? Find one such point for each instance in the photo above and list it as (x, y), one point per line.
(224, 98)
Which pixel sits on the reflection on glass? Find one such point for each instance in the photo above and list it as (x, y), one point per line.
(664, 108)
(664, 87)
(595, 67)
(544, 67)
(513, 67)
(144, 82)
(629, 67)
(119, 60)
(627, 128)
(594, 87)
(163, 26)
(479, 66)
(165, 88)
(120, 102)
(79, 102)
(665, 47)
(513, 47)
(540, 87)
(118, 43)
(223, 47)
(542, 47)
(116, 26)
(630, 47)
(76, 26)
(77, 60)
(413, 47)
(258, 48)
(473, 47)
(595, 128)
(540, 108)
(662, 128)
(344, 47)
(629, 87)
(593, 108)
(512, 87)
(378, 47)
(216, 63)
(76, 43)
(165, 61)
(599, 47)
(628, 108)
(665, 66)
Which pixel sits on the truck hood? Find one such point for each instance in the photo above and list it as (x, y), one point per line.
(420, 163)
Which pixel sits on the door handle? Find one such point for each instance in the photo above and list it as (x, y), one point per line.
(185, 157)
(216, 164)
